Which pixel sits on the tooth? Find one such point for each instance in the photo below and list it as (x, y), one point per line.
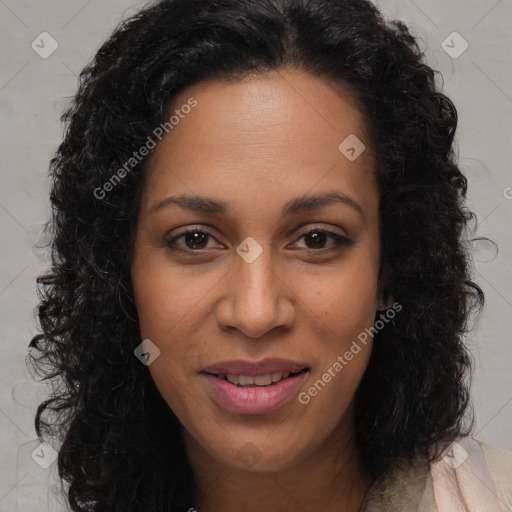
(277, 376)
(232, 378)
(263, 380)
(260, 380)
(245, 380)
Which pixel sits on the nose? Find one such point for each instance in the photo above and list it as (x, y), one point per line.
(257, 298)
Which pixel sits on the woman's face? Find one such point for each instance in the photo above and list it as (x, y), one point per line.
(260, 181)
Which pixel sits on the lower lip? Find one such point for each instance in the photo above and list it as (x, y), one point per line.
(256, 400)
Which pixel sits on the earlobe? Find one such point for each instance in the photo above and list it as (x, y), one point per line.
(382, 305)
(384, 299)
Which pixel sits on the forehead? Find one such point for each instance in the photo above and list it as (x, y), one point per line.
(282, 129)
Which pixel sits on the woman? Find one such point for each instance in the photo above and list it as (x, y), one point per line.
(260, 288)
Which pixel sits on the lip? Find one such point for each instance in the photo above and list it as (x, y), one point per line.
(255, 368)
(253, 400)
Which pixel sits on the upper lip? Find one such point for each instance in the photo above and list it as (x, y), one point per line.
(255, 368)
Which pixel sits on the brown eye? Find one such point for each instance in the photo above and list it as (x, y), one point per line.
(193, 240)
(317, 238)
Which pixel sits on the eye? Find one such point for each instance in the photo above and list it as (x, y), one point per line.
(194, 240)
(317, 238)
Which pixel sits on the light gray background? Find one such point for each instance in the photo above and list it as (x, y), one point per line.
(34, 92)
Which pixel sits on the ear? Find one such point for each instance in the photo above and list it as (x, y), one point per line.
(384, 299)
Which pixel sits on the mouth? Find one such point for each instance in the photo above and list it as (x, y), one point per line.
(246, 387)
(259, 381)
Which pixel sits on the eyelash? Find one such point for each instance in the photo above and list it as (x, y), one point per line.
(338, 239)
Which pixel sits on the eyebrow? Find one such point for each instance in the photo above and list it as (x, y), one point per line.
(301, 204)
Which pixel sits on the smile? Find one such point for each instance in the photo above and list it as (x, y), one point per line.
(268, 379)
(245, 394)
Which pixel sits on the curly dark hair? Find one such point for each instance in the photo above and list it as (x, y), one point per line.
(121, 446)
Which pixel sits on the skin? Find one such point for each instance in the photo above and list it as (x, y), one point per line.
(256, 144)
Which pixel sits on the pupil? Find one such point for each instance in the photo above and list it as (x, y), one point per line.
(196, 238)
(318, 238)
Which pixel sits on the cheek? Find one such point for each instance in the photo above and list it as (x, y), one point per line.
(171, 309)
(164, 296)
(345, 299)
(164, 304)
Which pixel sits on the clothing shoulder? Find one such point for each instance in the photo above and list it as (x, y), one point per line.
(499, 462)
(471, 475)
